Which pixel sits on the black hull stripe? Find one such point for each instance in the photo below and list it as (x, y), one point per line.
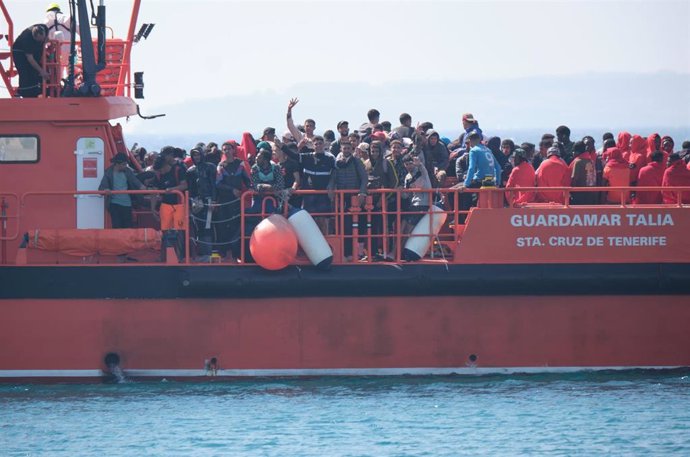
(220, 281)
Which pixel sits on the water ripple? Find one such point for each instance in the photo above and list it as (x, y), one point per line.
(630, 413)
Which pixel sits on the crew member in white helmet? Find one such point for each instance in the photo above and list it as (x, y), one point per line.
(60, 29)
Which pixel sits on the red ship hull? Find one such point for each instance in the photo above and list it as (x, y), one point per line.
(174, 338)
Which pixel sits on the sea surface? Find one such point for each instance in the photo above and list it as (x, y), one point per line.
(584, 414)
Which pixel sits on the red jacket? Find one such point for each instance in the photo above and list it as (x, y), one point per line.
(617, 173)
(244, 151)
(650, 175)
(676, 175)
(552, 172)
(638, 156)
(521, 176)
(623, 144)
(651, 145)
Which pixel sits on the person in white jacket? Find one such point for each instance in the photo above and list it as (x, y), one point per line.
(59, 29)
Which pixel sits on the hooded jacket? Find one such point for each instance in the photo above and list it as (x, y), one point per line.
(676, 175)
(623, 144)
(651, 144)
(436, 156)
(618, 174)
(494, 144)
(638, 156)
(522, 175)
(651, 175)
(553, 172)
(201, 178)
(666, 153)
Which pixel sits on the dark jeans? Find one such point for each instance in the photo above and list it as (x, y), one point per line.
(202, 235)
(120, 216)
(361, 222)
(30, 82)
(227, 225)
(468, 200)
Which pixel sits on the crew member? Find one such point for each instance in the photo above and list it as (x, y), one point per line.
(27, 50)
(59, 29)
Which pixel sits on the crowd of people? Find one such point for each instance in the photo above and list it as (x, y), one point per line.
(376, 156)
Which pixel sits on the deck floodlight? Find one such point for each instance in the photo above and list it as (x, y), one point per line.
(149, 28)
(138, 84)
(140, 33)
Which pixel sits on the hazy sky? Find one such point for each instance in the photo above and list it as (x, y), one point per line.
(207, 49)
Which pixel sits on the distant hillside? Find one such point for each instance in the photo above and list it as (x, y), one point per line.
(601, 101)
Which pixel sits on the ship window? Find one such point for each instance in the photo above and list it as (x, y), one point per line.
(19, 148)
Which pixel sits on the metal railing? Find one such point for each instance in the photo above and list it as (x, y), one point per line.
(376, 229)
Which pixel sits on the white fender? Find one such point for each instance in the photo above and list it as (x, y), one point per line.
(311, 239)
(416, 247)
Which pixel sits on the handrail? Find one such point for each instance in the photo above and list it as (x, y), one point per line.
(7, 74)
(388, 238)
(182, 195)
(4, 217)
(121, 86)
(678, 190)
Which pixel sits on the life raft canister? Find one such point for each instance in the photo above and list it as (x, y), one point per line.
(310, 238)
(420, 238)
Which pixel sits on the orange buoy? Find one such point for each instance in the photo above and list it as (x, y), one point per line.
(273, 243)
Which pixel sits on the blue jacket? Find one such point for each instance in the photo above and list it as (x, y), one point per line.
(482, 164)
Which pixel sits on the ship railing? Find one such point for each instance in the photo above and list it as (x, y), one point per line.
(9, 222)
(626, 196)
(376, 229)
(19, 215)
(113, 79)
(7, 72)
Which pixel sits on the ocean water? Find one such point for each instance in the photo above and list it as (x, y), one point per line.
(586, 414)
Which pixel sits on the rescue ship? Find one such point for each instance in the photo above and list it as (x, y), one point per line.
(537, 288)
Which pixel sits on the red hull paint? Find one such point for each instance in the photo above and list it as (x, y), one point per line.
(336, 333)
